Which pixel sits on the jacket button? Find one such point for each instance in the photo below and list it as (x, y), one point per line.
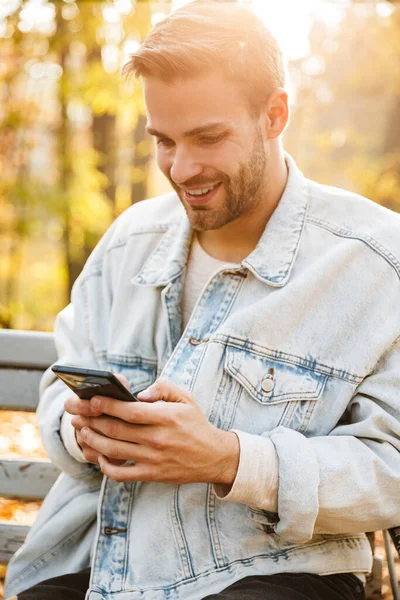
(268, 384)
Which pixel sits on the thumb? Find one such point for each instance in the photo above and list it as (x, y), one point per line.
(122, 379)
(163, 389)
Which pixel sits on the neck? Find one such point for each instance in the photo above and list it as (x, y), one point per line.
(237, 239)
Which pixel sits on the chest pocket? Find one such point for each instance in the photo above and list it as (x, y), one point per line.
(271, 392)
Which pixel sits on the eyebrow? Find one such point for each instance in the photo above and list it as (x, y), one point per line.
(193, 132)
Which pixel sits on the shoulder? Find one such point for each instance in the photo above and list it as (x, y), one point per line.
(146, 222)
(350, 216)
(154, 215)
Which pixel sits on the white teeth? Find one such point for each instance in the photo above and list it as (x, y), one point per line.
(201, 191)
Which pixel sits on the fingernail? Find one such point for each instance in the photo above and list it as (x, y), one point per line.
(145, 394)
(84, 431)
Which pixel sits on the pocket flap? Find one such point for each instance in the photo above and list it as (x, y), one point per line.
(139, 375)
(269, 380)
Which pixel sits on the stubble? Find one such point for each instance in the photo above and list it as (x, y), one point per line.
(243, 191)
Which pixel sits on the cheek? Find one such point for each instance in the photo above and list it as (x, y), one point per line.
(225, 158)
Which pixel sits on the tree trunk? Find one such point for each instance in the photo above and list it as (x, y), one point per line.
(141, 162)
(104, 142)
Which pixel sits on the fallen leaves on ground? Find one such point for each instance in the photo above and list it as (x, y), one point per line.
(18, 512)
(19, 436)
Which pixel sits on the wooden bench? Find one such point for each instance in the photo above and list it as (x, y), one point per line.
(24, 356)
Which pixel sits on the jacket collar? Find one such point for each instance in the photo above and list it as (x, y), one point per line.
(169, 259)
(273, 258)
(271, 261)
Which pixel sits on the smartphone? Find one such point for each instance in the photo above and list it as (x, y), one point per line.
(93, 382)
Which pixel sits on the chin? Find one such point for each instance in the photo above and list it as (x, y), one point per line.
(206, 222)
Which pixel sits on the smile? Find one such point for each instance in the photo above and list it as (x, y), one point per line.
(201, 196)
(201, 191)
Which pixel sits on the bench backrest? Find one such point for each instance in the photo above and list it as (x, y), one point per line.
(24, 356)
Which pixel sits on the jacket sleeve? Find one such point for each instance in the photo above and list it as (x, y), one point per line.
(75, 346)
(349, 480)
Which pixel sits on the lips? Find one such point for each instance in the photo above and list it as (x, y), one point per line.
(201, 191)
(201, 199)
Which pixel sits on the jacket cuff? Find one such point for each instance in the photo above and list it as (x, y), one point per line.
(68, 436)
(299, 479)
(256, 482)
(50, 412)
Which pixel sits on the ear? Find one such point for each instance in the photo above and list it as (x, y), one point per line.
(277, 113)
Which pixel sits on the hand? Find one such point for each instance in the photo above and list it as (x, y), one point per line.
(169, 441)
(82, 408)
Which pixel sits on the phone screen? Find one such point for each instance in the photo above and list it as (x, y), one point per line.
(87, 383)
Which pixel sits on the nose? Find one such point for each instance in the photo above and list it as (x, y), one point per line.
(184, 167)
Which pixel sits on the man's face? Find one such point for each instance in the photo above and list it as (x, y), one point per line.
(213, 152)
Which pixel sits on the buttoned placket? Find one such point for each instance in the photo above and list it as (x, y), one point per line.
(213, 306)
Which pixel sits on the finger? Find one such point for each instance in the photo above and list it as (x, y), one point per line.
(76, 406)
(117, 449)
(136, 472)
(91, 454)
(131, 412)
(165, 390)
(123, 380)
(118, 429)
(78, 422)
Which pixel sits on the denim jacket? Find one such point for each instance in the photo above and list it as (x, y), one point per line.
(315, 310)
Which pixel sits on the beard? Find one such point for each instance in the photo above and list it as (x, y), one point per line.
(243, 190)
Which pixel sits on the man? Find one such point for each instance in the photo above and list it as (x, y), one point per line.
(264, 306)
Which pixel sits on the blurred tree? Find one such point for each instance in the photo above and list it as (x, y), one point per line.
(72, 147)
(345, 125)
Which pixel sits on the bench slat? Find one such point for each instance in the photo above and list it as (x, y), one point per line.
(32, 349)
(19, 389)
(11, 538)
(26, 479)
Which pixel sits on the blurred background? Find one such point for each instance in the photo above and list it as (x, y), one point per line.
(74, 154)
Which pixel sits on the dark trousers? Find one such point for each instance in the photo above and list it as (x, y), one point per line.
(289, 586)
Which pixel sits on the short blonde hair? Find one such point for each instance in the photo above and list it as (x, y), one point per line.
(206, 35)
